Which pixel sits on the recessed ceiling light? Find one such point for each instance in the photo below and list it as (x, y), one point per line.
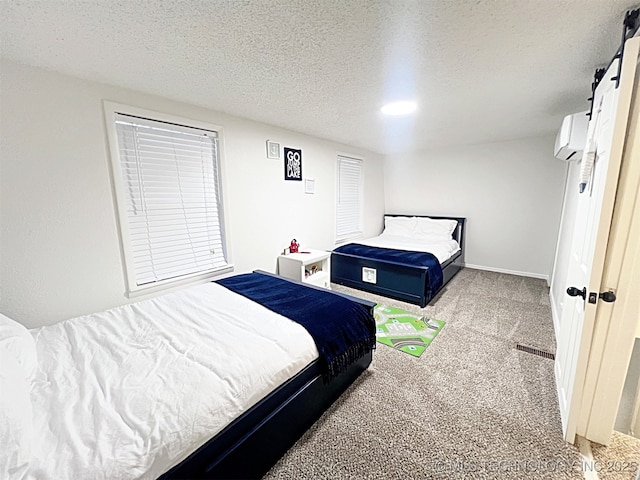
(399, 108)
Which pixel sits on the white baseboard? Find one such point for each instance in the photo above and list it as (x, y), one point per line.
(511, 272)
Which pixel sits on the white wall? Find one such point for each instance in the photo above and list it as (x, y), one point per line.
(59, 246)
(510, 193)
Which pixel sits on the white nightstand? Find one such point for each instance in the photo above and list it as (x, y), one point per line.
(312, 267)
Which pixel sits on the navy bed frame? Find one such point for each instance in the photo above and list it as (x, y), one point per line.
(396, 280)
(250, 445)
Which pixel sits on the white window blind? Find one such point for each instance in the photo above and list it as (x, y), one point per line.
(349, 201)
(171, 182)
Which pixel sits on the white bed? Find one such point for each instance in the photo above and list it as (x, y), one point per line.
(418, 235)
(124, 408)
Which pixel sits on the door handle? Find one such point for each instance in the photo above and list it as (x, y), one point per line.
(574, 292)
(608, 297)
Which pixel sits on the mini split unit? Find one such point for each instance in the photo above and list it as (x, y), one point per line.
(572, 137)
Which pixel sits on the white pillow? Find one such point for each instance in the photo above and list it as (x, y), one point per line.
(16, 418)
(400, 226)
(430, 227)
(18, 343)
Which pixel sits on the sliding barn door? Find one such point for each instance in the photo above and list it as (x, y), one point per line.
(607, 131)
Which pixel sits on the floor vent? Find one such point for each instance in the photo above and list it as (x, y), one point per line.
(535, 351)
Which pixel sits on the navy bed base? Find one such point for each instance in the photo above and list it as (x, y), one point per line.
(396, 280)
(255, 441)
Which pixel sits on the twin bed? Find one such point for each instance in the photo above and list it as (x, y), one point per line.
(203, 382)
(213, 381)
(412, 260)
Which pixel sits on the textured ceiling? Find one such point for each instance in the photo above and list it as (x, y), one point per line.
(481, 70)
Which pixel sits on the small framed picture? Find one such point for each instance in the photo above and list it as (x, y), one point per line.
(273, 149)
(309, 185)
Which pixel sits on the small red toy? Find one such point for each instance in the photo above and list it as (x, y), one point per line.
(293, 248)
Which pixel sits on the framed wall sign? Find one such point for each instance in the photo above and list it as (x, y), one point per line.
(292, 164)
(273, 149)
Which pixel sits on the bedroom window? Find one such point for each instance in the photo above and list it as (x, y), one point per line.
(349, 198)
(168, 192)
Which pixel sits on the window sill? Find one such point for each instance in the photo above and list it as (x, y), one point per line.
(168, 286)
(342, 241)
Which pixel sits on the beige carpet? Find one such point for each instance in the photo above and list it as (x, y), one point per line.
(472, 406)
(620, 460)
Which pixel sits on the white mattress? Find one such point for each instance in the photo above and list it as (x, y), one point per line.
(130, 392)
(442, 249)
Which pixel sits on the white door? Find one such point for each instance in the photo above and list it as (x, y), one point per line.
(607, 130)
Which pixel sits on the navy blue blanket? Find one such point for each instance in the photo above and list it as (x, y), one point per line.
(405, 257)
(343, 330)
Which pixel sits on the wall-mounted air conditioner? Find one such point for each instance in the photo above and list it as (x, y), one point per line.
(572, 137)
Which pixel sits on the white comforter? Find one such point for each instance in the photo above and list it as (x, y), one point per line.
(130, 392)
(443, 249)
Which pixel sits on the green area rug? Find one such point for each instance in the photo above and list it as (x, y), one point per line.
(405, 331)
